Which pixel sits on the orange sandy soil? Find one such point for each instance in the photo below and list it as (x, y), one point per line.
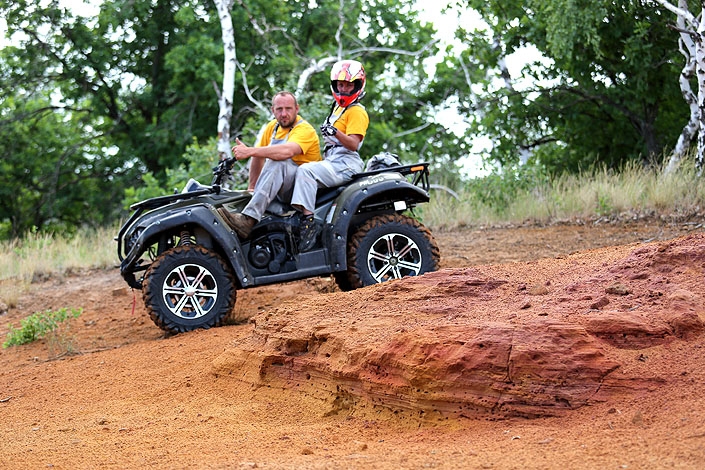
(129, 397)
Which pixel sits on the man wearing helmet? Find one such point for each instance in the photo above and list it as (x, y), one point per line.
(343, 133)
(287, 142)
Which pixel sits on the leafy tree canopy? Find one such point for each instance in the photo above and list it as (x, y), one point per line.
(606, 91)
(139, 82)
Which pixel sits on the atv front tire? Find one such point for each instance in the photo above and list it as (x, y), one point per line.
(387, 247)
(188, 287)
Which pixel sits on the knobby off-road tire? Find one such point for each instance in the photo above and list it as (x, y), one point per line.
(188, 287)
(387, 247)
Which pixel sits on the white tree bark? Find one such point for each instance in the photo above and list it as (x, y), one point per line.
(315, 67)
(700, 71)
(225, 98)
(692, 46)
(686, 46)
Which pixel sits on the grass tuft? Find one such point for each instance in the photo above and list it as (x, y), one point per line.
(37, 256)
(40, 324)
(511, 199)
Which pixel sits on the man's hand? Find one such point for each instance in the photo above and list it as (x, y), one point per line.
(328, 130)
(240, 150)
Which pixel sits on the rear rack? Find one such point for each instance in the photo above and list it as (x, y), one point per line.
(418, 170)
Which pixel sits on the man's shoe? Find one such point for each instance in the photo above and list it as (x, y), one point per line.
(307, 232)
(241, 223)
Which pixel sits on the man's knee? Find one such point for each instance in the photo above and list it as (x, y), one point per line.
(306, 171)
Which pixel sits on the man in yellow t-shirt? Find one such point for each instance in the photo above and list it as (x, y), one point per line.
(287, 142)
(343, 132)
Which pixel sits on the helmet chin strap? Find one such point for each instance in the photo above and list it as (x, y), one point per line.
(332, 107)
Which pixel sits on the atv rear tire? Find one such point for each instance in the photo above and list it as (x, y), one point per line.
(188, 287)
(387, 247)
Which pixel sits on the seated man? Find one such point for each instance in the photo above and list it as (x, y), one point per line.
(343, 133)
(287, 142)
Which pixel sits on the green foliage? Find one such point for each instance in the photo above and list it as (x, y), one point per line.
(199, 161)
(605, 91)
(51, 177)
(38, 325)
(93, 104)
(604, 205)
(499, 189)
(95, 112)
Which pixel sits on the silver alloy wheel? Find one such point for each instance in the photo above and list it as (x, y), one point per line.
(394, 256)
(386, 247)
(190, 291)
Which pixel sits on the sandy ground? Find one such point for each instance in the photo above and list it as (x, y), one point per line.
(114, 392)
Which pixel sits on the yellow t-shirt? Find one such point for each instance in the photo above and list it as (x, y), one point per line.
(302, 133)
(353, 121)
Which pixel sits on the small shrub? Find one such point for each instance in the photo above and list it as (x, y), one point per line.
(604, 205)
(38, 325)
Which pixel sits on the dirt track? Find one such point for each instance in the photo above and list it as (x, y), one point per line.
(132, 398)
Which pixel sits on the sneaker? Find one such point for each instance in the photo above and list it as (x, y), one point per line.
(241, 223)
(307, 232)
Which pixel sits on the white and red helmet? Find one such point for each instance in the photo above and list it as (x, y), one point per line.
(347, 71)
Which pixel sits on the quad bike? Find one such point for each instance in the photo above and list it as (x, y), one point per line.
(189, 263)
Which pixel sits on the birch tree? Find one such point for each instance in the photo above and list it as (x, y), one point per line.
(225, 97)
(691, 44)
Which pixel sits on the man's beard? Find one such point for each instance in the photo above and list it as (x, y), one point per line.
(289, 123)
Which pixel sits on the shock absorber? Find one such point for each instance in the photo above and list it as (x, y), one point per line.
(185, 238)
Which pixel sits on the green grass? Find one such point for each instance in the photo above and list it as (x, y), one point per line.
(38, 256)
(51, 324)
(634, 192)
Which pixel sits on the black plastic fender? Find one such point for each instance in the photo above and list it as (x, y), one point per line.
(201, 215)
(383, 187)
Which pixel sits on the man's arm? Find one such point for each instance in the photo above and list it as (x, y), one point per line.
(282, 151)
(350, 142)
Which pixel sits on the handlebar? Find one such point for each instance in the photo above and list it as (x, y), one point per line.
(222, 171)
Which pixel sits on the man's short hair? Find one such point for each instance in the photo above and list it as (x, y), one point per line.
(285, 93)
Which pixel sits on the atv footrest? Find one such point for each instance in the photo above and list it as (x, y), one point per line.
(312, 259)
(309, 264)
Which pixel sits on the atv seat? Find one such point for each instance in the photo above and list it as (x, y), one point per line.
(324, 195)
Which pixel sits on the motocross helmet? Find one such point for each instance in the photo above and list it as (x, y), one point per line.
(347, 71)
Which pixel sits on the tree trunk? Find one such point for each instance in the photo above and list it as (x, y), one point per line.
(225, 98)
(692, 46)
(687, 49)
(700, 59)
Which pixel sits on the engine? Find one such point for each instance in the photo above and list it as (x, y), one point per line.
(269, 252)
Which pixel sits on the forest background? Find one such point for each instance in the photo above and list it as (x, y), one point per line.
(99, 111)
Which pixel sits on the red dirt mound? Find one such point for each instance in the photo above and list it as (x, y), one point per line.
(531, 348)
